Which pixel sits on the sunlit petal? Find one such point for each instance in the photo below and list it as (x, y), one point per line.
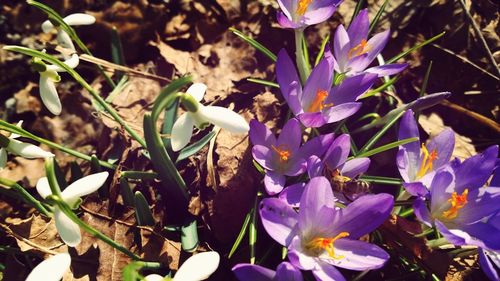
(197, 90)
(27, 150)
(43, 187)
(198, 267)
(67, 229)
(83, 186)
(225, 118)
(48, 93)
(79, 19)
(181, 132)
(51, 269)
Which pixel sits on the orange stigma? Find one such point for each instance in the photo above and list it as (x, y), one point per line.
(283, 152)
(457, 203)
(320, 244)
(318, 103)
(302, 7)
(426, 165)
(361, 48)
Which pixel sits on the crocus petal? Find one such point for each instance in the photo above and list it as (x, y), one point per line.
(83, 186)
(287, 272)
(279, 219)
(293, 98)
(43, 187)
(181, 131)
(442, 181)
(327, 272)
(351, 88)
(292, 194)
(377, 44)
(3, 157)
(290, 136)
(225, 118)
(286, 72)
(314, 167)
(285, 22)
(67, 229)
(476, 170)
(443, 143)
(298, 258)
(481, 203)
(198, 267)
(51, 269)
(154, 277)
(363, 215)
(408, 159)
(286, 7)
(416, 188)
(312, 120)
(315, 15)
(425, 101)
(341, 47)
(317, 146)
(387, 69)
(482, 235)
(320, 79)
(316, 206)
(252, 272)
(48, 93)
(421, 211)
(358, 29)
(337, 154)
(197, 90)
(342, 111)
(79, 19)
(274, 182)
(260, 134)
(358, 255)
(355, 167)
(264, 156)
(487, 266)
(27, 150)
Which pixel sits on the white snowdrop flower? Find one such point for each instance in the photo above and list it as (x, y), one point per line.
(67, 229)
(51, 269)
(196, 268)
(201, 116)
(74, 19)
(26, 150)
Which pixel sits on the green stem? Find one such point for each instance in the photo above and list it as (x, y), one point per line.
(299, 56)
(139, 175)
(424, 233)
(27, 197)
(436, 243)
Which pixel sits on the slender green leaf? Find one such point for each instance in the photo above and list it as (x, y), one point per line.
(418, 46)
(117, 48)
(142, 211)
(167, 96)
(254, 44)
(424, 87)
(380, 133)
(52, 177)
(252, 231)
(306, 53)
(243, 230)
(387, 84)
(24, 195)
(381, 180)
(386, 147)
(263, 82)
(126, 192)
(322, 49)
(189, 235)
(169, 118)
(377, 16)
(195, 147)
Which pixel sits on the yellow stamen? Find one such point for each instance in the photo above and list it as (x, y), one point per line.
(337, 176)
(283, 152)
(361, 48)
(457, 203)
(325, 244)
(426, 165)
(302, 7)
(318, 103)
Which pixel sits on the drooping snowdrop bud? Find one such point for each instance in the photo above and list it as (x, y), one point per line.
(51, 269)
(198, 267)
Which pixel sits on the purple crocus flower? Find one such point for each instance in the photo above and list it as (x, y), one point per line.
(251, 272)
(417, 163)
(284, 156)
(318, 103)
(459, 204)
(321, 236)
(490, 259)
(335, 167)
(354, 53)
(302, 13)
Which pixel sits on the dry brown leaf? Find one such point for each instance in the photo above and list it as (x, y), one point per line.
(25, 101)
(26, 171)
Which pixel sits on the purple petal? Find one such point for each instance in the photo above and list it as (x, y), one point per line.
(274, 182)
(298, 258)
(357, 65)
(312, 120)
(286, 72)
(285, 22)
(416, 189)
(320, 79)
(427, 101)
(377, 44)
(359, 255)
(278, 219)
(442, 182)
(316, 206)
(317, 146)
(358, 30)
(364, 215)
(314, 167)
(351, 88)
(476, 170)
(341, 112)
(453, 238)
(409, 157)
(287, 272)
(477, 234)
(260, 134)
(341, 47)
(286, 7)
(290, 136)
(292, 194)
(387, 69)
(443, 143)
(337, 154)
(355, 167)
(481, 203)
(421, 211)
(315, 15)
(296, 166)
(487, 266)
(264, 156)
(252, 272)
(294, 97)
(327, 272)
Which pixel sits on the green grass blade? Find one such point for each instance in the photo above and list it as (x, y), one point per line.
(306, 54)
(385, 147)
(424, 87)
(322, 49)
(243, 230)
(142, 211)
(169, 118)
(381, 180)
(418, 46)
(263, 82)
(380, 133)
(126, 192)
(189, 235)
(254, 44)
(377, 16)
(387, 84)
(195, 147)
(252, 231)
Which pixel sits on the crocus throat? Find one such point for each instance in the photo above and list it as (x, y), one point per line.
(358, 50)
(302, 7)
(318, 103)
(457, 203)
(427, 160)
(325, 244)
(283, 152)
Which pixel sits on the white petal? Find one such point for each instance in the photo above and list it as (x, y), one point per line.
(154, 277)
(20, 125)
(48, 93)
(73, 61)
(47, 26)
(198, 267)
(225, 118)
(27, 150)
(181, 132)
(43, 187)
(3, 157)
(197, 90)
(51, 269)
(64, 40)
(79, 19)
(67, 229)
(83, 186)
